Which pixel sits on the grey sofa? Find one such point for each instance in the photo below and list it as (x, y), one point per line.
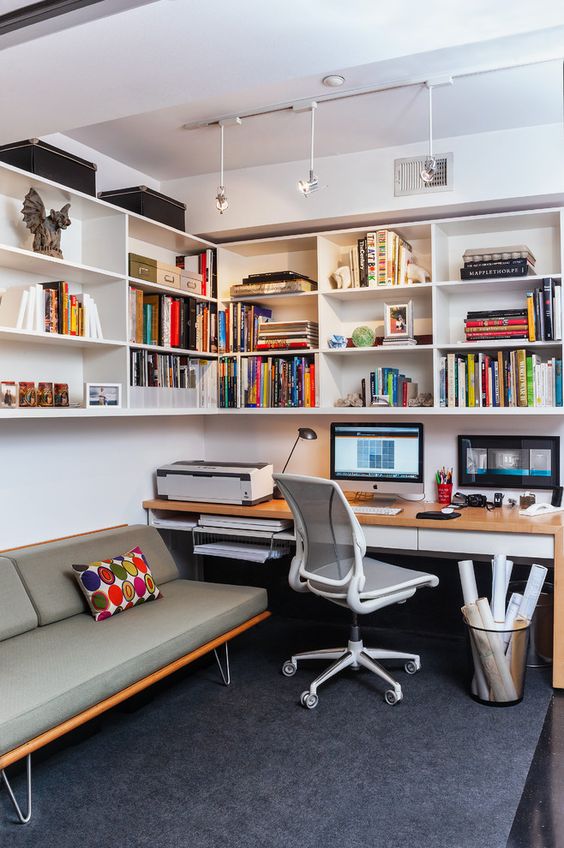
(59, 667)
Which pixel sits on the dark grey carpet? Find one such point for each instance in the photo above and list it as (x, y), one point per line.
(201, 766)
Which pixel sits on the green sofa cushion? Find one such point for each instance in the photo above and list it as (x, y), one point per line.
(55, 672)
(16, 610)
(46, 570)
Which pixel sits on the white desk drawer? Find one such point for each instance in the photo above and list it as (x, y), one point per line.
(469, 542)
(400, 538)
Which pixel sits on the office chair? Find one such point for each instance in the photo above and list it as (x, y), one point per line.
(330, 561)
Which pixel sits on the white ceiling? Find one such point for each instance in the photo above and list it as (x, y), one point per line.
(125, 84)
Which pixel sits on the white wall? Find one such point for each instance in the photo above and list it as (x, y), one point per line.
(111, 173)
(488, 168)
(61, 477)
(269, 439)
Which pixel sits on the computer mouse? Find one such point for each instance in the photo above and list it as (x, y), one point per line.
(447, 510)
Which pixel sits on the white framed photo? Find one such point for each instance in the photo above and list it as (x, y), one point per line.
(399, 320)
(102, 394)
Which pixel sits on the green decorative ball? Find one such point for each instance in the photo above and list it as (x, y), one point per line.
(363, 337)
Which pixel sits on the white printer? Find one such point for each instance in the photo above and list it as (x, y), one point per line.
(242, 483)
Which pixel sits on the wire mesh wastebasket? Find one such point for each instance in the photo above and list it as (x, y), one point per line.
(500, 660)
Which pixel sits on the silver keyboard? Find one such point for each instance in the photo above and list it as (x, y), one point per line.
(376, 510)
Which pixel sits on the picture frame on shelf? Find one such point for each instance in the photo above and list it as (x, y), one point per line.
(61, 394)
(8, 395)
(45, 394)
(102, 394)
(27, 394)
(398, 320)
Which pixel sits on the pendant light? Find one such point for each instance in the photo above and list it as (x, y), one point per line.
(310, 185)
(221, 201)
(429, 168)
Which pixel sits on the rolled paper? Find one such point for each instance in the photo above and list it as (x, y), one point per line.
(497, 648)
(468, 581)
(483, 648)
(532, 590)
(510, 616)
(499, 587)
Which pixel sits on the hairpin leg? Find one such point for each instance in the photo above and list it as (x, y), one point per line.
(23, 818)
(225, 676)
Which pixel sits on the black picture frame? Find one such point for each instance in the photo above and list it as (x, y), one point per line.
(509, 462)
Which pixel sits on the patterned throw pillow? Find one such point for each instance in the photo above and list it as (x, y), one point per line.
(113, 585)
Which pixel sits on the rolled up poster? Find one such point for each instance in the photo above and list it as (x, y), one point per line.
(497, 647)
(479, 684)
(483, 647)
(499, 587)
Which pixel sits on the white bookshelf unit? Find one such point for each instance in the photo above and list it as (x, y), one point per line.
(96, 248)
(439, 306)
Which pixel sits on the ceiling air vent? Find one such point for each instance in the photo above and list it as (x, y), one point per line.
(407, 175)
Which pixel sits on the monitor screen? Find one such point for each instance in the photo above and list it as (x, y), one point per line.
(380, 452)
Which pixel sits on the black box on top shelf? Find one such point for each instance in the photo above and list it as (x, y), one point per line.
(149, 203)
(47, 161)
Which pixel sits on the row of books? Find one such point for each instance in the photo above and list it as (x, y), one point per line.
(388, 387)
(202, 266)
(272, 283)
(510, 378)
(267, 382)
(175, 371)
(379, 259)
(238, 327)
(483, 263)
(50, 308)
(160, 319)
(540, 320)
(27, 394)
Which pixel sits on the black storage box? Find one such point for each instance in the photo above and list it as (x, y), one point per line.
(149, 203)
(47, 161)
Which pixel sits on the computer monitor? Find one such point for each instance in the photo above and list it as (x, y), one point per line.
(378, 458)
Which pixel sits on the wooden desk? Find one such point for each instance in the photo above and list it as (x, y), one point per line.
(477, 533)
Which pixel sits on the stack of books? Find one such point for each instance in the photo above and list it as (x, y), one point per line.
(202, 267)
(288, 335)
(539, 321)
(267, 382)
(274, 282)
(388, 388)
(159, 319)
(482, 263)
(238, 327)
(50, 308)
(508, 378)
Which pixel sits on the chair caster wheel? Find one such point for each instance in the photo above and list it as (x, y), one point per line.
(289, 668)
(392, 697)
(412, 666)
(309, 700)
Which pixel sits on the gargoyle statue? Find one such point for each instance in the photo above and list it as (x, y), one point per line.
(46, 229)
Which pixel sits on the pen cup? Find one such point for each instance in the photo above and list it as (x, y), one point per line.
(445, 492)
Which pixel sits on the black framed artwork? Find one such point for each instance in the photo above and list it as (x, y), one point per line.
(509, 462)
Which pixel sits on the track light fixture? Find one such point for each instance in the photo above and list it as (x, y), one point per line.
(221, 202)
(311, 185)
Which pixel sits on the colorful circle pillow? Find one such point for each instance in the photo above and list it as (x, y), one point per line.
(113, 585)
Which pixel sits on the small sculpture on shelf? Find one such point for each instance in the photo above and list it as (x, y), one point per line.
(352, 399)
(422, 399)
(336, 342)
(416, 274)
(46, 229)
(341, 278)
(363, 336)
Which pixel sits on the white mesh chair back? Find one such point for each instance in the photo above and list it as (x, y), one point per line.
(330, 543)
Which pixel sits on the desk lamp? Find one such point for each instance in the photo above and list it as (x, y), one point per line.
(308, 435)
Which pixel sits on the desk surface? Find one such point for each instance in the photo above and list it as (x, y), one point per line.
(504, 520)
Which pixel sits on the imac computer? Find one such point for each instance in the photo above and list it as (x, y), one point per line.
(380, 459)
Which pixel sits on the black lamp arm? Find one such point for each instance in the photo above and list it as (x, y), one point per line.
(291, 452)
